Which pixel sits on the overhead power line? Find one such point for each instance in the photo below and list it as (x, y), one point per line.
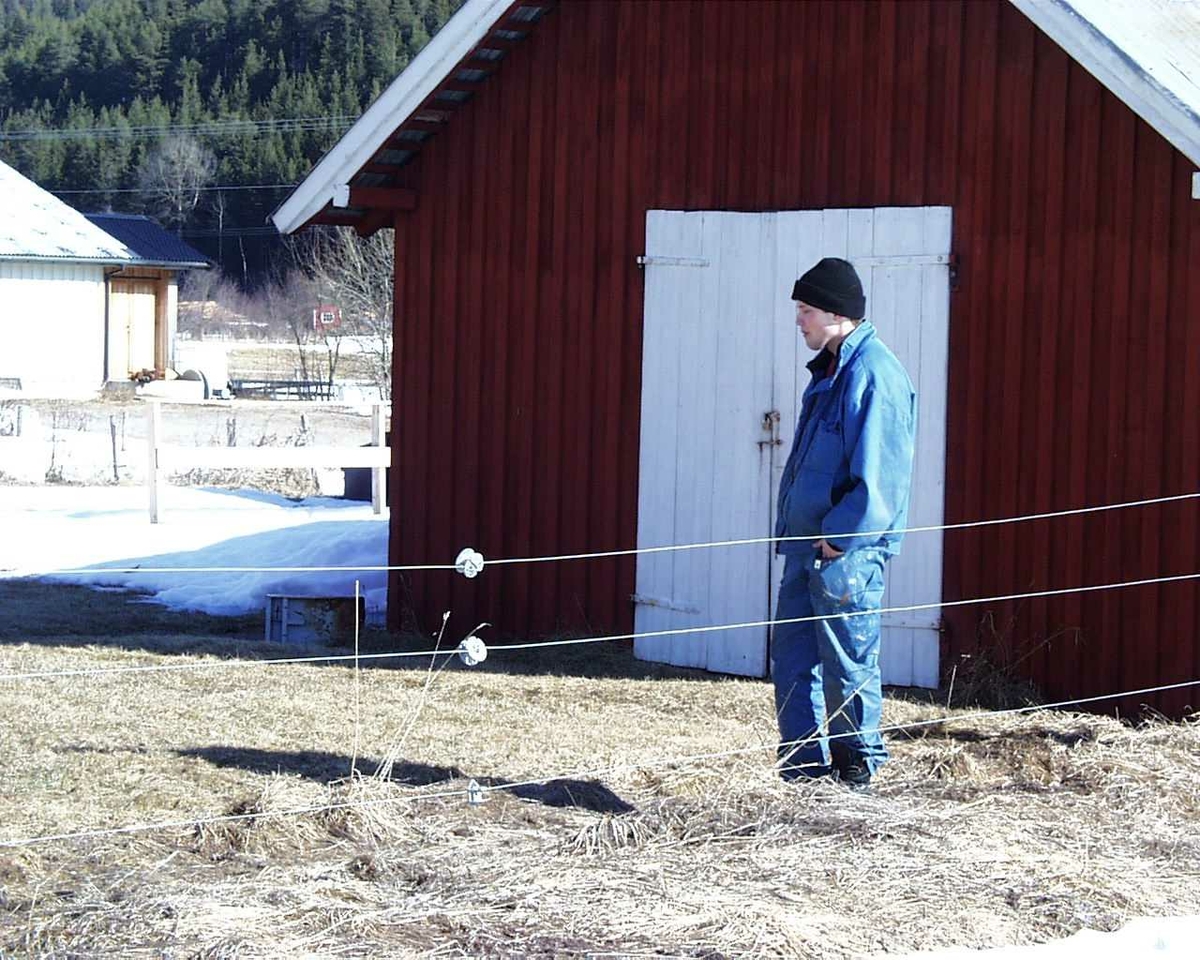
(154, 131)
(239, 186)
(233, 232)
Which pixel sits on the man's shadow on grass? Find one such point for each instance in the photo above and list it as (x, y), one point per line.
(324, 767)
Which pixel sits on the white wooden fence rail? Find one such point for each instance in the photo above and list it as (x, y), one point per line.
(162, 457)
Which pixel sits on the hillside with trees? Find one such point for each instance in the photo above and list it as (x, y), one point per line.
(198, 112)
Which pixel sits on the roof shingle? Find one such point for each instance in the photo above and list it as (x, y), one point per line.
(149, 242)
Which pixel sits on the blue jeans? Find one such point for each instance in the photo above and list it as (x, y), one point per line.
(829, 665)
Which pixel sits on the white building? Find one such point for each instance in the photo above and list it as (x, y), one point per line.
(79, 307)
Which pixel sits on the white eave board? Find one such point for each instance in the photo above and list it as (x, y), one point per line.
(38, 226)
(460, 34)
(1147, 52)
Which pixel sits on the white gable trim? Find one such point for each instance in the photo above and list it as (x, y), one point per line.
(1158, 91)
(460, 34)
(101, 260)
(1173, 109)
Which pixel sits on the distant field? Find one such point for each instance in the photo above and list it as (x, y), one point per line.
(980, 832)
(282, 361)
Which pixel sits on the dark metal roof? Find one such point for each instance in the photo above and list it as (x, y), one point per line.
(149, 242)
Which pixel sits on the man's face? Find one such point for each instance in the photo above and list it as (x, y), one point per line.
(818, 327)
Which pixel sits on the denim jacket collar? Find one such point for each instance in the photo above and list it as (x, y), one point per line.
(850, 346)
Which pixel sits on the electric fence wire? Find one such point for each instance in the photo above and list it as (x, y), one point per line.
(631, 551)
(576, 641)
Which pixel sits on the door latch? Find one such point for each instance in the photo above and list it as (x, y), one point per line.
(770, 425)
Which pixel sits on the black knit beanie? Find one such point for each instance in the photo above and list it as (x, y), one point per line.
(832, 285)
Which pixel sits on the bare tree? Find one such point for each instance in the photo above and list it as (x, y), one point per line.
(287, 304)
(220, 209)
(176, 172)
(211, 304)
(356, 276)
(199, 285)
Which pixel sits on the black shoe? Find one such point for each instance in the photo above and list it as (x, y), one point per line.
(804, 772)
(853, 772)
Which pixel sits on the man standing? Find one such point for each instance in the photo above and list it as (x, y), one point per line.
(845, 488)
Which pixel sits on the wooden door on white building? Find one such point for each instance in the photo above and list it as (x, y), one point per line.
(131, 327)
(722, 370)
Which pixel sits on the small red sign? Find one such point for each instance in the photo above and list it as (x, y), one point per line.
(327, 316)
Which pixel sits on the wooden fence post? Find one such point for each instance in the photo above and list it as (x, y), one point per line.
(153, 429)
(378, 474)
(160, 456)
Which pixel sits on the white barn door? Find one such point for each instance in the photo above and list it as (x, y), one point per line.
(722, 370)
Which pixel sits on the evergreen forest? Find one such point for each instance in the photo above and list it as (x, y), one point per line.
(200, 113)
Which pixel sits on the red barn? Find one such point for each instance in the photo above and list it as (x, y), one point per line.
(599, 210)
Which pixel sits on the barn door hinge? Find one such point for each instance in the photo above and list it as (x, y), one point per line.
(644, 260)
(644, 601)
(954, 272)
(904, 260)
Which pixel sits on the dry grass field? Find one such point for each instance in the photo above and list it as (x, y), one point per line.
(980, 832)
(281, 361)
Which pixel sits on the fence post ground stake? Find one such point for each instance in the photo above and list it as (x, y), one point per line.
(153, 429)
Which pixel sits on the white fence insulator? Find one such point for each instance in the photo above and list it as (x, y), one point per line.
(472, 651)
(469, 563)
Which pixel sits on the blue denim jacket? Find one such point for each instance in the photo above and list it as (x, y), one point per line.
(850, 466)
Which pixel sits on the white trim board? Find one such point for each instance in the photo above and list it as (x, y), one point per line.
(461, 33)
(1145, 52)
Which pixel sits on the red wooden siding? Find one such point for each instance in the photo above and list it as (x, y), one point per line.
(1074, 326)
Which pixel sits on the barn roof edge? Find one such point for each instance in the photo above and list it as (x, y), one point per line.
(1143, 57)
(1144, 53)
(458, 36)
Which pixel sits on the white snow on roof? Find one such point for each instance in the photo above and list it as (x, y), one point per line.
(36, 225)
(1146, 52)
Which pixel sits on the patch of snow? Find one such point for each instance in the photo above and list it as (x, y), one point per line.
(51, 529)
(1146, 938)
